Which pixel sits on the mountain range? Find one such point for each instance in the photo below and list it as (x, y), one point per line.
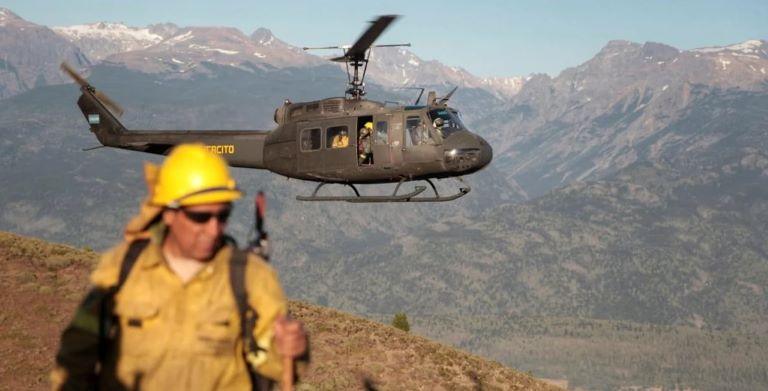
(630, 188)
(177, 52)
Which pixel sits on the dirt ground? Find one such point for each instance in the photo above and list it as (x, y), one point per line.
(36, 302)
(41, 284)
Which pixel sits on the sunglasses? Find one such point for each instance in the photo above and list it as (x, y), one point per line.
(204, 217)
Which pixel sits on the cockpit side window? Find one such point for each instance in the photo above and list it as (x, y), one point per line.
(417, 132)
(449, 123)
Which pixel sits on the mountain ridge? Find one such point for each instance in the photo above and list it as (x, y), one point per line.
(176, 51)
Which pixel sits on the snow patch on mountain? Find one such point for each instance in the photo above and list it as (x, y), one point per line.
(100, 40)
(179, 38)
(206, 48)
(112, 31)
(6, 15)
(508, 86)
(753, 47)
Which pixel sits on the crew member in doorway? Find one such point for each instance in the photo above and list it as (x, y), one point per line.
(364, 144)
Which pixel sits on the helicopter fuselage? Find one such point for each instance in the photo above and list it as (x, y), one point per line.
(404, 142)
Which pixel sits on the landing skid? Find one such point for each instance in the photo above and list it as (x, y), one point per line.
(394, 197)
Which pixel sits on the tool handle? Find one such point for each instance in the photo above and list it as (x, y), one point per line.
(287, 383)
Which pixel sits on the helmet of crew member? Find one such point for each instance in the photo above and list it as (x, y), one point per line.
(193, 175)
(439, 122)
(369, 125)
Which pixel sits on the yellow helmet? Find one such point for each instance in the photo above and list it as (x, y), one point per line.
(369, 125)
(193, 175)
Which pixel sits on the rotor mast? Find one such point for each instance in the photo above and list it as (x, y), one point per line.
(357, 55)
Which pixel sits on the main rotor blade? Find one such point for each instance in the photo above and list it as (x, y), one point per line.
(357, 51)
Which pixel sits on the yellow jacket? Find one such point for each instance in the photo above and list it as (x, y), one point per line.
(176, 336)
(340, 141)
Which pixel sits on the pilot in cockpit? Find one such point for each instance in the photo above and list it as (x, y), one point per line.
(438, 125)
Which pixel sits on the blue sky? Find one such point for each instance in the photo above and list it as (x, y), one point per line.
(486, 37)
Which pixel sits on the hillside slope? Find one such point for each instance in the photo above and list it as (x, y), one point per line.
(41, 283)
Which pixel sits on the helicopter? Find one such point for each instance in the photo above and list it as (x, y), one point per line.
(346, 140)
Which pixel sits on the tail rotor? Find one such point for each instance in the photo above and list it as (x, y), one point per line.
(113, 107)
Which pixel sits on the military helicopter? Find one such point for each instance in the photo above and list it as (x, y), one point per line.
(345, 140)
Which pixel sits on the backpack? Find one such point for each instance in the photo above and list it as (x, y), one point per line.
(88, 350)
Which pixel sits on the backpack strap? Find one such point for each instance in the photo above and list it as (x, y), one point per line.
(134, 250)
(106, 316)
(237, 282)
(248, 315)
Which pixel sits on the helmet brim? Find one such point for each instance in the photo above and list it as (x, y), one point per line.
(211, 197)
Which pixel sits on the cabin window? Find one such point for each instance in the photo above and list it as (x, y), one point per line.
(337, 137)
(310, 139)
(381, 133)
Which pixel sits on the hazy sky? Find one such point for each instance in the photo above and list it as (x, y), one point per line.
(486, 37)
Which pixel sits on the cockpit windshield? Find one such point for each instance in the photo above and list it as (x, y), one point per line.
(446, 121)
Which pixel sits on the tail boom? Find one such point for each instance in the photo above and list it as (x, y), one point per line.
(241, 148)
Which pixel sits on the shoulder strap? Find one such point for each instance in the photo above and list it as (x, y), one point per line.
(248, 315)
(106, 307)
(237, 280)
(134, 250)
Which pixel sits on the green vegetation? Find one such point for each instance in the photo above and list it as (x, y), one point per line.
(400, 321)
(41, 253)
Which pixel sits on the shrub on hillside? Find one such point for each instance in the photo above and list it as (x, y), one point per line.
(400, 321)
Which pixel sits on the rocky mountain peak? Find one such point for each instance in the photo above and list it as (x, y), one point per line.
(263, 36)
(8, 18)
(31, 55)
(659, 51)
(614, 47)
(163, 29)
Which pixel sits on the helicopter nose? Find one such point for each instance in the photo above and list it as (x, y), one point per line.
(486, 152)
(466, 153)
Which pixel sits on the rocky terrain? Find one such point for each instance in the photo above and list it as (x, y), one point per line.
(42, 283)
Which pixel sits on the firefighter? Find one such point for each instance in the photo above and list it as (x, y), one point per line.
(168, 309)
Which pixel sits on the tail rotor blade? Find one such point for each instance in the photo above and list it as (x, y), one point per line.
(74, 75)
(102, 97)
(111, 105)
